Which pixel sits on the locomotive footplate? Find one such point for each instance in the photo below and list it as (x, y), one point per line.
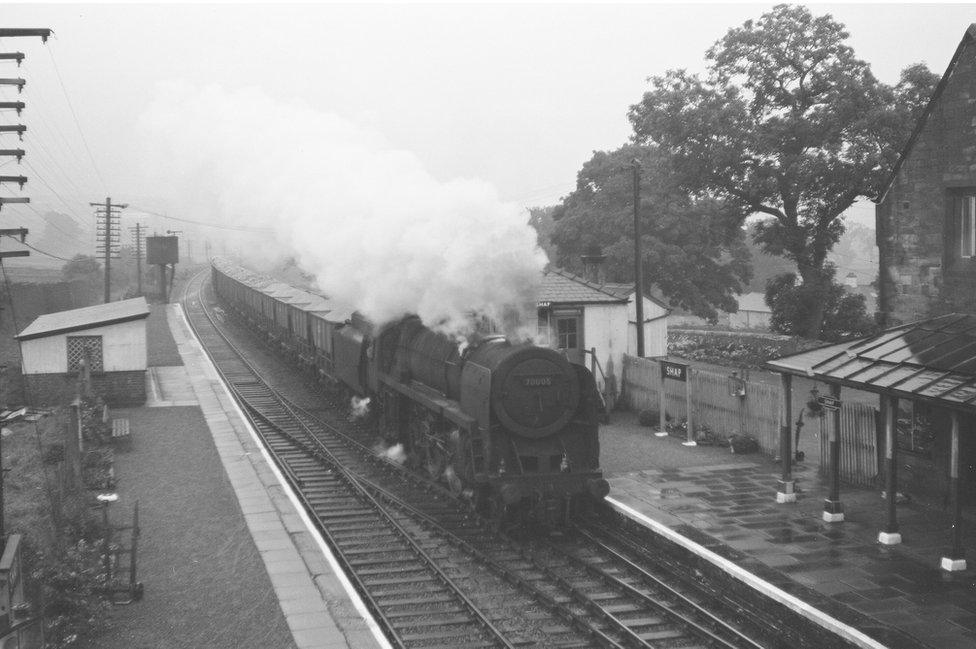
(549, 485)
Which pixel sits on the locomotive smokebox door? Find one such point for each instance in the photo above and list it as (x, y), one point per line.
(535, 392)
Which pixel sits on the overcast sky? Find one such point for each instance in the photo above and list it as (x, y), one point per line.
(517, 95)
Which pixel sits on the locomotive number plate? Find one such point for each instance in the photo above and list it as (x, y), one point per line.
(536, 381)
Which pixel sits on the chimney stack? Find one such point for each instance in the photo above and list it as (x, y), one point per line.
(594, 266)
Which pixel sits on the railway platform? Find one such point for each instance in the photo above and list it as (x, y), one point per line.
(226, 556)
(724, 507)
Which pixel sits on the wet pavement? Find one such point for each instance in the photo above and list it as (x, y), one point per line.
(897, 595)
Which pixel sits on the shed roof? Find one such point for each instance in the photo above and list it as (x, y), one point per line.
(562, 287)
(932, 360)
(87, 317)
(623, 289)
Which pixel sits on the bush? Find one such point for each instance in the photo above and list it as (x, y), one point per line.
(649, 417)
(74, 604)
(743, 444)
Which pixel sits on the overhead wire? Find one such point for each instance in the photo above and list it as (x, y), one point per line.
(43, 252)
(58, 147)
(236, 228)
(74, 116)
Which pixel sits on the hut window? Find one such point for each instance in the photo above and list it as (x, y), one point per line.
(87, 347)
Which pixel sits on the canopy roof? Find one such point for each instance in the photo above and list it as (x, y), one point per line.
(932, 360)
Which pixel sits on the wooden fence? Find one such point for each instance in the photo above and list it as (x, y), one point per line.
(713, 405)
(858, 444)
(754, 413)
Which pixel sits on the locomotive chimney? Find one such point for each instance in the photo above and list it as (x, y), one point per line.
(594, 265)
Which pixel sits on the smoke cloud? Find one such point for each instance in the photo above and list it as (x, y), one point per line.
(373, 227)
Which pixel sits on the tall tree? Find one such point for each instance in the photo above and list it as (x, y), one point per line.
(788, 123)
(693, 248)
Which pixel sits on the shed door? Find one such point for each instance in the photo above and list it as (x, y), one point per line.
(568, 329)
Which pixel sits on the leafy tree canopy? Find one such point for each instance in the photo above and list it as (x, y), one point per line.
(845, 314)
(692, 247)
(788, 123)
(81, 267)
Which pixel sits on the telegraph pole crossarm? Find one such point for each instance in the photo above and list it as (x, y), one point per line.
(16, 105)
(20, 180)
(19, 129)
(13, 153)
(15, 199)
(14, 232)
(20, 83)
(14, 32)
(12, 56)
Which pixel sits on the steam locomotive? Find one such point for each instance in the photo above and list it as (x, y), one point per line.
(511, 427)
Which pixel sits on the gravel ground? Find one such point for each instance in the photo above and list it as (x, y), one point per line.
(162, 351)
(205, 583)
(626, 446)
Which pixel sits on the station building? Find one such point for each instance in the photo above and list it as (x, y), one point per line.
(109, 338)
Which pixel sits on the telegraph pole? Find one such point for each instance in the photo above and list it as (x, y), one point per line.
(109, 238)
(638, 262)
(138, 234)
(20, 180)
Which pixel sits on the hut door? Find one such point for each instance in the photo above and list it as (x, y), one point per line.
(569, 335)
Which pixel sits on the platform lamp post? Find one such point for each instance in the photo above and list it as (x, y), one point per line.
(638, 261)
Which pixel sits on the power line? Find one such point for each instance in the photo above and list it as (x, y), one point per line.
(35, 249)
(75, 117)
(236, 228)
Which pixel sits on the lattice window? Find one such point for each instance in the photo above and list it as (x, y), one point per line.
(89, 347)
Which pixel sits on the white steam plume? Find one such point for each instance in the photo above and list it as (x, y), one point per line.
(359, 407)
(376, 230)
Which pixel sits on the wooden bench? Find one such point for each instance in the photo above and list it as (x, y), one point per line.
(120, 431)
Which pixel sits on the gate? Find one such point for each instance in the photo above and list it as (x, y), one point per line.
(858, 444)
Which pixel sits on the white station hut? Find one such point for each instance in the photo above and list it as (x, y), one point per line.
(109, 338)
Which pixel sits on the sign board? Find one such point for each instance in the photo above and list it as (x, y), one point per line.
(542, 305)
(829, 403)
(676, 371)
(162, 250)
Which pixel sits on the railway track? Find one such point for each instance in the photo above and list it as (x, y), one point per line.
(435, 575)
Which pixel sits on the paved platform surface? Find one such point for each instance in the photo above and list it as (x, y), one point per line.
(226, 558)
(897, 595)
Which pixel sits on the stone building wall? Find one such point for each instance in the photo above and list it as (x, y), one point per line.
(918, 280)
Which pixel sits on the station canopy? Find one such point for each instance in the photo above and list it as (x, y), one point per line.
(931, 360)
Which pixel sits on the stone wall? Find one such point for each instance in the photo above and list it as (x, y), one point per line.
(116, 388)
(918, 278)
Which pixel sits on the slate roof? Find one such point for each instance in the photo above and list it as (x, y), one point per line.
(623, 289)
(87, 317)
(562, 287)
(967, 37)
(932, 360)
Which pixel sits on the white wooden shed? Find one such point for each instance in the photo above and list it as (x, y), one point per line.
(597, 322)
(110, 338)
